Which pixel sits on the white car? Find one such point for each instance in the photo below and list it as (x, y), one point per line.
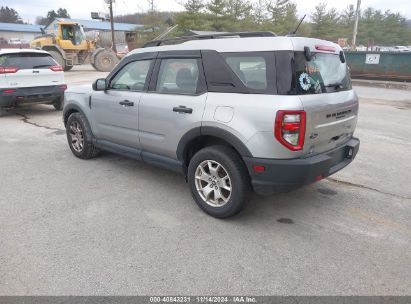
(28, 77)
(401, 48)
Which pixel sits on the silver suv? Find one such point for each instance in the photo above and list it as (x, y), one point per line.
(246, 111)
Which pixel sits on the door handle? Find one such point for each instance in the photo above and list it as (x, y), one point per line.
(127, 103)
(183, 109)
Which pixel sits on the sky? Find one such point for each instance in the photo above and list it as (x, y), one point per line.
(80, 9)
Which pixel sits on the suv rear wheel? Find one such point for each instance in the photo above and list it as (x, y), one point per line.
(79, 137)
(219, 181)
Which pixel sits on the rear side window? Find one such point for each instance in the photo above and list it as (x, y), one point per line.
(240, 72)
(178, 76)
(323, 73)
(252, 70)
(27, 61)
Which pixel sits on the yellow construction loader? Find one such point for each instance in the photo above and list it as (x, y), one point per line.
(67, 43)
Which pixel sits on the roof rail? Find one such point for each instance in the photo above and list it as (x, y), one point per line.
(211, 36)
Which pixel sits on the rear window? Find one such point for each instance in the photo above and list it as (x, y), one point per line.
(27, 60)
(324, 73)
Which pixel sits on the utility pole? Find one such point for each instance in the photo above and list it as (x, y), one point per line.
(110, 6)
(151, 5)
(151, 13)
(354, 34)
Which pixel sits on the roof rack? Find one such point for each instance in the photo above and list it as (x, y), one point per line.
(211, 36)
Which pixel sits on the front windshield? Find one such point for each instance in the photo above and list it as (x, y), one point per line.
(79, 32)
(74, 33)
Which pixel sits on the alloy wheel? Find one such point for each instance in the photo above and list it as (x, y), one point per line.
(213, 183)
(76, 136)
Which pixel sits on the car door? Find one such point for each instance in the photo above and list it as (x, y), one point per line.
(114, 111)
(174, 103)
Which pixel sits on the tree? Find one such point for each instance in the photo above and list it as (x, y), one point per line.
(279, 16)
(9, 15)
(348, 15)
(283, 15)
(277, 9)
(193, 18)
(318, 18)
(260, 11)
(325, 23)
(238, 9)
(290, 19)
(378, 28)
(152, 7)
(51, 15)
(194, 6)
(217, 7)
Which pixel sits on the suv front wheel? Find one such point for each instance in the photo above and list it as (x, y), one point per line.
(79, 137)
(219, 181)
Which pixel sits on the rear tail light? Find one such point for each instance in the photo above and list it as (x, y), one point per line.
(8, 70)
(63, 87)
(289, 129)
(9, 91)
(56, 68)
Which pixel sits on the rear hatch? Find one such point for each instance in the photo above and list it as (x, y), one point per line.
(322, 82)
(30, 69)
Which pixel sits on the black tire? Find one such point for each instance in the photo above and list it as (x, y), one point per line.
(88, 150)
(68, 68)
(105, 60)
(58, 58)
(58, 104)
(238, 175)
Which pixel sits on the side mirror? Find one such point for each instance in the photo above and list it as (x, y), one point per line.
(342, 57)
(100, 85)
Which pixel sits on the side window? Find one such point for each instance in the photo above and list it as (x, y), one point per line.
(132, 77)
(286, 80)
(178, 75)
(252, 70)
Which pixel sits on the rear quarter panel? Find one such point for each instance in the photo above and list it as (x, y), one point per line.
(251, 117)
(3, 81)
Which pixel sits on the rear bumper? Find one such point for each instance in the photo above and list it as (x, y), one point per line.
(288, 174)
(30, 95)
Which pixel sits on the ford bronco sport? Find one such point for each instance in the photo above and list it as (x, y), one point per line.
(233, 113)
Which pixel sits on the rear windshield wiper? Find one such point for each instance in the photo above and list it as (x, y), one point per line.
(337, 85)
(41, 66)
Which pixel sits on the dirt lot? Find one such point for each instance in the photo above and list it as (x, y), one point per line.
(117, 226)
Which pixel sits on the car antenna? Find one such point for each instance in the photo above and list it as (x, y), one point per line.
(298, 26)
